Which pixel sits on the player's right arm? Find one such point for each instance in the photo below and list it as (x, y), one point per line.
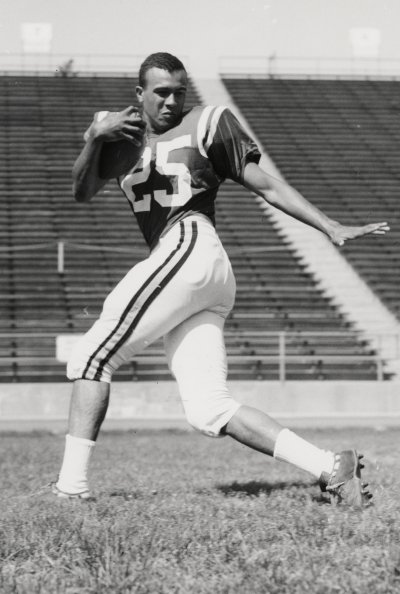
(106, 127)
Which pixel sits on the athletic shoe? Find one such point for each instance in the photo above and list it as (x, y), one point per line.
(63, 495)
(344, 484)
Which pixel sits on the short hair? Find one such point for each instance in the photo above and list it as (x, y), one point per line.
(161, 60)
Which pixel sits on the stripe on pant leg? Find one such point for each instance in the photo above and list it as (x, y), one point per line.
(114, 336)
(133, 301)
(160, 286)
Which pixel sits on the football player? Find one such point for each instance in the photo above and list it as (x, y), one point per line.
(185, 289)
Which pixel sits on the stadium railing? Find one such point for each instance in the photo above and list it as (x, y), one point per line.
(61, 246)
(277, 354)
(281, 351)
(289, 66)
(55, 64)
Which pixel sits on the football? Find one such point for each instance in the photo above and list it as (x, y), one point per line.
(118, 157)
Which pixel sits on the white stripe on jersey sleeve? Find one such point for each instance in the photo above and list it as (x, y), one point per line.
(202, 128)
(213, 126)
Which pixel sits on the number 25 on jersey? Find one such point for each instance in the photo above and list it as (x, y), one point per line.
(177, 170)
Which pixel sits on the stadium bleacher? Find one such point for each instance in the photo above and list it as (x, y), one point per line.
(42, 122)
(337, 142)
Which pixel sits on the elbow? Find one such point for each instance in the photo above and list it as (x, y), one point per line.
(80, 194)
(271, 197)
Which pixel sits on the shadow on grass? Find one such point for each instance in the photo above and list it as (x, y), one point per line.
(256, 488)
(126, 494)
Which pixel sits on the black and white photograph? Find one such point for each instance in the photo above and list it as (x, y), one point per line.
(199, 297)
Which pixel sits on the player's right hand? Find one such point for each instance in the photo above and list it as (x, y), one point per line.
(111, 126)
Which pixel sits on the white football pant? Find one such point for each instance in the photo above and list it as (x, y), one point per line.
(183, 291)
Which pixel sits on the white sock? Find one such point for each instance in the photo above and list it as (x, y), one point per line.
(291, 448)
(73, 473)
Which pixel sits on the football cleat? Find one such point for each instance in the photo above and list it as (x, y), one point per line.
(343, 484)
(84, 495)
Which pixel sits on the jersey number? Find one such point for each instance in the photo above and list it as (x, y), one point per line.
(179, 170)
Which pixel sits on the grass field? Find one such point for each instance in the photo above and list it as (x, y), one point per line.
(180, 513)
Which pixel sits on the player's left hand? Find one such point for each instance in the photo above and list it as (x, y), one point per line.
(343, 233)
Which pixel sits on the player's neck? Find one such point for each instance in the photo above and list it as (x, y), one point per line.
(152, 132)
(152, 129)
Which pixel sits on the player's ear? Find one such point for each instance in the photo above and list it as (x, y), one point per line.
(139, 94)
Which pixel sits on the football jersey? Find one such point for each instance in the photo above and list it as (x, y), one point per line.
(181, 169)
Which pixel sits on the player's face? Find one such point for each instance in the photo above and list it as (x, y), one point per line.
(162, 98)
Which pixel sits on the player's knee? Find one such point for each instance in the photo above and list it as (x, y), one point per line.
(203, 423)
(210, 418)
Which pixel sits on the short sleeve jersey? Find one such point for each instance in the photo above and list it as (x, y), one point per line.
(181, 169)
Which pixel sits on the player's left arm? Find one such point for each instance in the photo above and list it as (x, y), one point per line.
(284, 197)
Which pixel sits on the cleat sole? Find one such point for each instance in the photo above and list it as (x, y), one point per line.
(83, 496)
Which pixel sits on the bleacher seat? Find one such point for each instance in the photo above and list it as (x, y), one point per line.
(42, 122)
(337, 142)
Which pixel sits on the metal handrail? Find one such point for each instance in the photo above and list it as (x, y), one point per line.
(282, 358)
(140, 252)
(16, 63)
(238, 333)
(128, 64)
(319, 67)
